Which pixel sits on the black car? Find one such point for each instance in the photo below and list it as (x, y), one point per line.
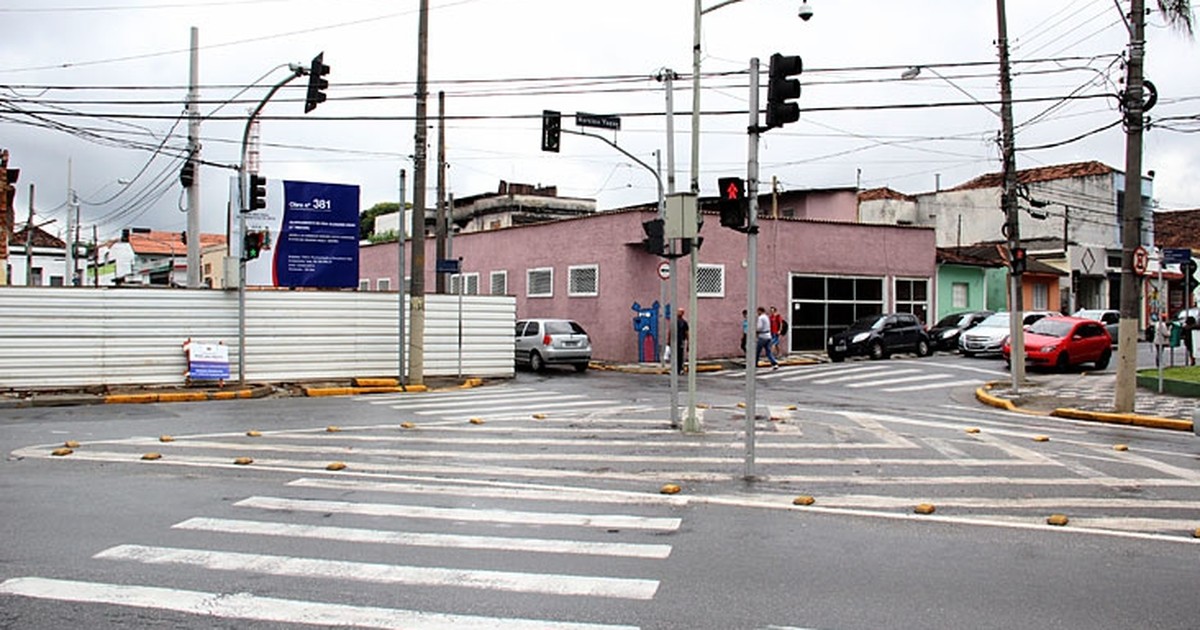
(878, 336)
(944, 334)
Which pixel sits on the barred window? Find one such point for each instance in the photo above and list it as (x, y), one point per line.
(539, 282)
(710, 281)
(583, 281)
(499, 281)
(364, 284)
(383, 284)
(472, 280)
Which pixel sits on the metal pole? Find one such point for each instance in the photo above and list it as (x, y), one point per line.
(442, 226)
(669, 78)
(1008, 201)
(462, 284)
(402, 377)
(752, 270)
(69, 271)
(194, 272)
(29, 242)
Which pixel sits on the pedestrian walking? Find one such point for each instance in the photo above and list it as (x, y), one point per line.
(762, 329)
(745, 331)
(681, 341)
(777, 329)
(1189, 325)
(1162, 337)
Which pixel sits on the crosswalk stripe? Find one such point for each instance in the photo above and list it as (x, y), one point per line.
(544, 583)
(897, 381)
(814, 373)
(416, 539)
(495, 492)
(606, 521)
(272, 609)
(938, 385)
(526, 407)
(858, 377)
(492, 401)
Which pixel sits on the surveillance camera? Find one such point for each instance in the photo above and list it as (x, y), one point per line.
(806, 11)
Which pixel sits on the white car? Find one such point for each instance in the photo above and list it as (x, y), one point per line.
(988, 336)
(542, 342)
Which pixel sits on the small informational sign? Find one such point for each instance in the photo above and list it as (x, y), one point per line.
(664, 270)
(598, 120)
(1176, 255)
(1141, 260)
(207, 361)
(312, 236)
(448, 265)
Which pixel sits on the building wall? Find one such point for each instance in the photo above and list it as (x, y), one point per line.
(627, 274)
(976, 280)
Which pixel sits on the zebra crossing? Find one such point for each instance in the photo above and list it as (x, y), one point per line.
(896, 376)
(589, 537)
(505, 402)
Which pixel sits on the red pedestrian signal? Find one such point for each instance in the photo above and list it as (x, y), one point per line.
(732, 202)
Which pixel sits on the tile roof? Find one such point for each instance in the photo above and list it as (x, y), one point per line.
(167, 243)
(1041, 174)
(991, 255)
(875, 194)
(41, 238)
(1177, 228)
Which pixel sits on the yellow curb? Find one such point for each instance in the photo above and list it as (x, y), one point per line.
(242, 393)
(119, 399)
(315, 392)
(183, 397)
(375, 382)
(1132, 419)
(472, 382)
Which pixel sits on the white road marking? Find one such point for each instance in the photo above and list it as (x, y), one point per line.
(544, 583)
(273, 609)
(940, 385)
(858, 377)
(603, 521)
(815, 373)
(416, 539)
(541, 493)
(896, 381)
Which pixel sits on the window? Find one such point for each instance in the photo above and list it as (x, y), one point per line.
(383, 284)
(958, 295)
(472, 280)
(364, 285)
(710, 281)
(1041, 297)
(539, 282)
(583, 281)
(912, 296)
(499, 282)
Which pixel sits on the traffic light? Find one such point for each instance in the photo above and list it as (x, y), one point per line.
(1018, 261)
(187, 174)
(732, 202)
(258, 193)
(317, 84)
(781, 89)
(551, 130)
(252, 245)
(654, 242)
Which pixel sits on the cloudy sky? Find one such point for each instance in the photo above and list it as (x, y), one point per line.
(100, 85)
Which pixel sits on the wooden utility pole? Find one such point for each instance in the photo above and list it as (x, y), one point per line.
(1008, 202)
(416, 337)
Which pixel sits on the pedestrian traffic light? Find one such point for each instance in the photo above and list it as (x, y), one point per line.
(551, 130)
(317, 84)
(654, 241)
(782, 89)
(252, 245)
(257, 197)
(1017, 260)
(732, 202)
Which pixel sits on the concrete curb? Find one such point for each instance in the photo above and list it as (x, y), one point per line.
(1130, 419)
(258, 391)
(317, 392)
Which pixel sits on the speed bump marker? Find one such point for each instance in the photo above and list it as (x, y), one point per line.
(165, 438)
(792, 407)
(332, 429)
(539, 416)
(925, 508)
(1041, 438)
(1057, 519)
(152, 456)
(1120, 447)
(803, 500)
(670, 488)
(741, 405)
(336, 466)
(243, 461)
(61, 452)
(71, 444)
(253, 433)
(407, 425)
(972, 429)
(1196, 534)
(476, 421)
(702, 405)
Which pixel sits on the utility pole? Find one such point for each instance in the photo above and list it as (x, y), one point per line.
(1008, 202)
(416, 337)
(29, 242)
(194, 275)
(69, 272)
(442, 227)
(1131, 233)
(751, 272)
(402, 376)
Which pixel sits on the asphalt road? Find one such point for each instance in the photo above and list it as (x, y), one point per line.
(547, 509)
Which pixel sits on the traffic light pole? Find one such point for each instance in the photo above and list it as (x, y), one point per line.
(243, 206)
(752, 272)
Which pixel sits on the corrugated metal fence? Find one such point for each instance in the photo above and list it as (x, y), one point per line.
(71, 337)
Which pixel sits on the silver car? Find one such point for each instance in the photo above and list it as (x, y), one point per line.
(988, 337)
(542, 342)
(1110, 318)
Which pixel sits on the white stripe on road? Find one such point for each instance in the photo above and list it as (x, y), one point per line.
(917, 388)
(544, 583)
(588, 495)
(607, 521)
(897, 381)
(813, 373)
(273, 609)
(414, 539)
(857, 377)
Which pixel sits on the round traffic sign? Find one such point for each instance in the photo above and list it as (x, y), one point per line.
(664, 270)
(1141, 260)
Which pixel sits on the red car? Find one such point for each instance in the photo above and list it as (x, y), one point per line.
(1065, 341)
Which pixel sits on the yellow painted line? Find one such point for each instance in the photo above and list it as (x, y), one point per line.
(130, 398)
(182, 396)
(354, 391)
(376, 382)
(1133, 419)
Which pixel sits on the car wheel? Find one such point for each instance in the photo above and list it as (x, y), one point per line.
(536, 362)
(923, 349)
(877, 351)
(581, 367)
(836, 358)
(1102, 362)
(966, 353)
(1063, 363)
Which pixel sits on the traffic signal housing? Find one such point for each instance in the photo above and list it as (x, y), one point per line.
(187, 174)
(1017, 261)
(317, 83)
(551, 130)
(782, 90)
(655, 241)
(257, 197)
(732, 202)
(252, 245)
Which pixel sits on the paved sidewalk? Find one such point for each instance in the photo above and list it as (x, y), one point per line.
(1091, 396)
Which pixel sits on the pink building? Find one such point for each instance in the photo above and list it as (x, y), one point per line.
(815, 264)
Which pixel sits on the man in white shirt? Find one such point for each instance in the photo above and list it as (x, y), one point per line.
(762, 329)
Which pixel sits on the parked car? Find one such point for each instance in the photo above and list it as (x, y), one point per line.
(988, 336)
(944, 334)
(1110, 318)
(542, 342)
(1061, 342)
(878, 336)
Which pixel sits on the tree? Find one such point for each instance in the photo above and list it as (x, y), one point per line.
(366, 219)
(1178, 14)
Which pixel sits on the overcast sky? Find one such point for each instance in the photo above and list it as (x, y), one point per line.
(501, 62)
